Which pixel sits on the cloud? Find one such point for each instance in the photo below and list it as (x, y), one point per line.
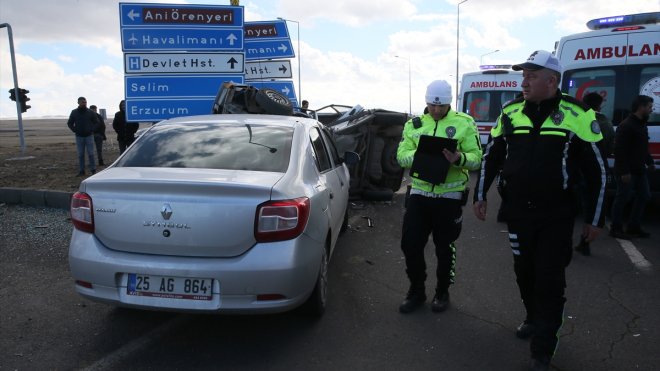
(66, 58)
(347, 12)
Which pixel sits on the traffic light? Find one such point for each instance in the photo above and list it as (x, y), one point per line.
(12, 94)
(23, 98)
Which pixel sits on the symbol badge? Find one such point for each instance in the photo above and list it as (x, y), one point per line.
(557, 117)
(166, 211)
(595, 128)
(450, 131)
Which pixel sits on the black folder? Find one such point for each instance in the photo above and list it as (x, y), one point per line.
(429, 163)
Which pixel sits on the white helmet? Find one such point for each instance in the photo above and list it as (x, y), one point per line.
(438, 92)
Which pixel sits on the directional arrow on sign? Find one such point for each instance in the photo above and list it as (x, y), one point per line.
(273, 69)
(132, 15)
(232, 38)
(268, 49)
(232, 62)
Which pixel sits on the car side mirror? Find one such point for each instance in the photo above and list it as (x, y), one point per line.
(351, 158)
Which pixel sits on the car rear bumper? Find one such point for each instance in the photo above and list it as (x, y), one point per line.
(287, 268)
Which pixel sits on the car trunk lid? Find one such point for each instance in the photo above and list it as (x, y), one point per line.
(178, 212)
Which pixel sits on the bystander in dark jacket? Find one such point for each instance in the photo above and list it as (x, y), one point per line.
(632, 162)
(595, 101)
(83, 121)
(99, 135)
(125, 130)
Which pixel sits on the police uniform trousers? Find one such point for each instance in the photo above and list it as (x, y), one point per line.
(542, 249)
(441, 217)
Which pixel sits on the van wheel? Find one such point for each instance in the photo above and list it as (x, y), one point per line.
(273, 102)
(390, 163)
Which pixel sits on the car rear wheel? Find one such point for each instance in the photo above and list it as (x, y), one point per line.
(316, 303)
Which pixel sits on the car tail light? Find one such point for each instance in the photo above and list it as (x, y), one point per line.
(281, 220)
(82, 213)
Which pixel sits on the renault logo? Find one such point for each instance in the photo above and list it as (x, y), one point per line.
(166, 211)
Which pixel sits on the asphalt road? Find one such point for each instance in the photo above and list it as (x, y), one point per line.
(611, 317)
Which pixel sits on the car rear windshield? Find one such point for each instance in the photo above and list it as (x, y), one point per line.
(212, 146)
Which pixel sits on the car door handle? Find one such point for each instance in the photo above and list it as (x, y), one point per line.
(332, 195)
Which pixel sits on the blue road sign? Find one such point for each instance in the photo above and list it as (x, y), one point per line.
(142, 14)
(283, 86)
(177, 86)
(184, 39)
(268, 49)
(152, 110)
(209, 63)
(274, 69)
(266, 30)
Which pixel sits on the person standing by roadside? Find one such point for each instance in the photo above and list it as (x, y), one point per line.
(594, 101)
(125, 130)
(541, 142)
(632, 162)
(82, 122)
(99, 134)
(436, 208)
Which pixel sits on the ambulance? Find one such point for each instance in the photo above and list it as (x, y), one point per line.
(619, 59)
(484, 92)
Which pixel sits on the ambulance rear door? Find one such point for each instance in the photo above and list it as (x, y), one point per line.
(483, 94)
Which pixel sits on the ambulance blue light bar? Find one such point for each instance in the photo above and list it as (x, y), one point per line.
(494, 66)
(624, 20)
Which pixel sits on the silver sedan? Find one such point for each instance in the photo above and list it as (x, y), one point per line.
(218, 213)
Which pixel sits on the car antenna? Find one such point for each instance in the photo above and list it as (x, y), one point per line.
(271, 149)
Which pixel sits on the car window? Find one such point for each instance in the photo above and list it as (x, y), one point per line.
(332, 149)
(212, 146)
(320, 152)
(599, 80)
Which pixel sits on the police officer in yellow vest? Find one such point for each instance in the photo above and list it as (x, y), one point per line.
(436, 208)
(542, 141)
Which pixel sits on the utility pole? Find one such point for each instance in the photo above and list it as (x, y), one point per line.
(19, 105)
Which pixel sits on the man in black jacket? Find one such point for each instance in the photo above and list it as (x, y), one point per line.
(82, 121)
(541, 142)
(99, 134)
(125, 130)
(632, 161)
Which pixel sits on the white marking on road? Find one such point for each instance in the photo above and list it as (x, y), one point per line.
(634, 255)
(113, 360)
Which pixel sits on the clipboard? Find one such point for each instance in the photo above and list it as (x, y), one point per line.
(429, 163)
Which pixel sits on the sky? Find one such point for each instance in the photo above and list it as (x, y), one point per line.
(375, 53)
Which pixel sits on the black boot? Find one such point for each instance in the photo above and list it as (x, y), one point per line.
(414, 299)
(440, 302)
(583, 247)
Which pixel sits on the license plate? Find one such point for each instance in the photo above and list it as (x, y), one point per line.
(170, 287)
